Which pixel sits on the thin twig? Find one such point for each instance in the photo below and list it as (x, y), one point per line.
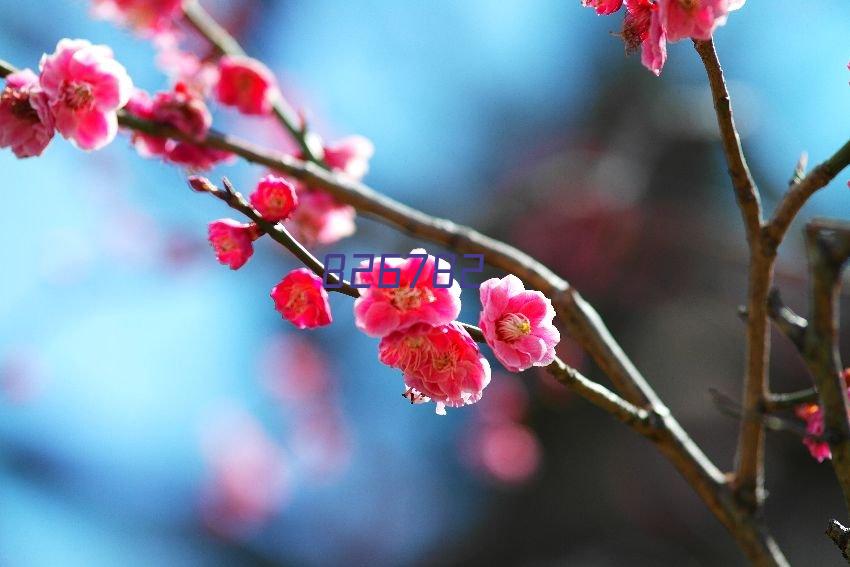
(749, 472)
(777, 402)
(840, 536)
(792, 325)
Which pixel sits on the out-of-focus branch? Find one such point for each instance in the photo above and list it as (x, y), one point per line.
(828, 246)
(841, 536)
(792, 325)
(226, 44)
(776, 402)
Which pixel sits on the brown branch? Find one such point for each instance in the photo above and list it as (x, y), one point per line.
(749, 472)
(840, 536)
(582, 321)
(776, 402)
(828, 246)
(792, 325)
(746, 192)
(801, 191)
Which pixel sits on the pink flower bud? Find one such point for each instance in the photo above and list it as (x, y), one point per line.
(246, 84)
(26, 122)
(350, 155)
(85, 87)
(201, 184)
(517, 324)
(302, 300)
(274, 198)
(233, 241)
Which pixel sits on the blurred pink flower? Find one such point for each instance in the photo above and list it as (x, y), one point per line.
(248, 480)
(319, 218)
(508, 452)
(274, 198)
(183, 67)
(232, 241)
(294, 370)
(85, 87)
(321, 442)
(380, 311)
(506, 401)
(246, 84)
(350, 155)
(698, 19)
(603, 7)
(518, 324)
(440, 364)
(301, 299)
(26, 122)
(145, 16)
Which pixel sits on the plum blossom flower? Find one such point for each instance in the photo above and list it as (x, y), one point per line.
(381, 310)
(319, 218)
(517, 324)
(26, 122)
(181, 108)
(694, 18)
(302, 300)
(350, 155)
(200, 75)
(246, 84)
(274, 198)
(148, 17)
(233, 241)
(440, 364)
(85, 87)
(815, 428)
(603, 7)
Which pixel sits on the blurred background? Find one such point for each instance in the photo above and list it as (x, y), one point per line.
(155, 409)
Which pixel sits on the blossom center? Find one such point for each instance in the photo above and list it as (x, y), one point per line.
(407, 298)
(513, 327)
(443, 361)
(298, 299)
(77, 96)
(688, 5)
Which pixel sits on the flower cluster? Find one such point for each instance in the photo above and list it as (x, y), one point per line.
(651, 24)
(812, 414)
(77, 93)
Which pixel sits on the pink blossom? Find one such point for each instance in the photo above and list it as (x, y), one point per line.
(350, 155)
(813, 416)
(145, 16)
(248, 475)
(440, 364)
(654, 46)
(85, 87)
(246, 84)
(26, 122)
(509, 452)
(302, 300)
(232, 241)
(517, 324)
(274, 198)
(381, 310)
(183, 109)
(694, 18)
(319, 218)
(603, 7)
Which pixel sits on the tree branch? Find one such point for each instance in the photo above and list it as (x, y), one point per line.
(749, 477)
(841, 536)
(582, 321)
(792, 325)
(828, 246)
